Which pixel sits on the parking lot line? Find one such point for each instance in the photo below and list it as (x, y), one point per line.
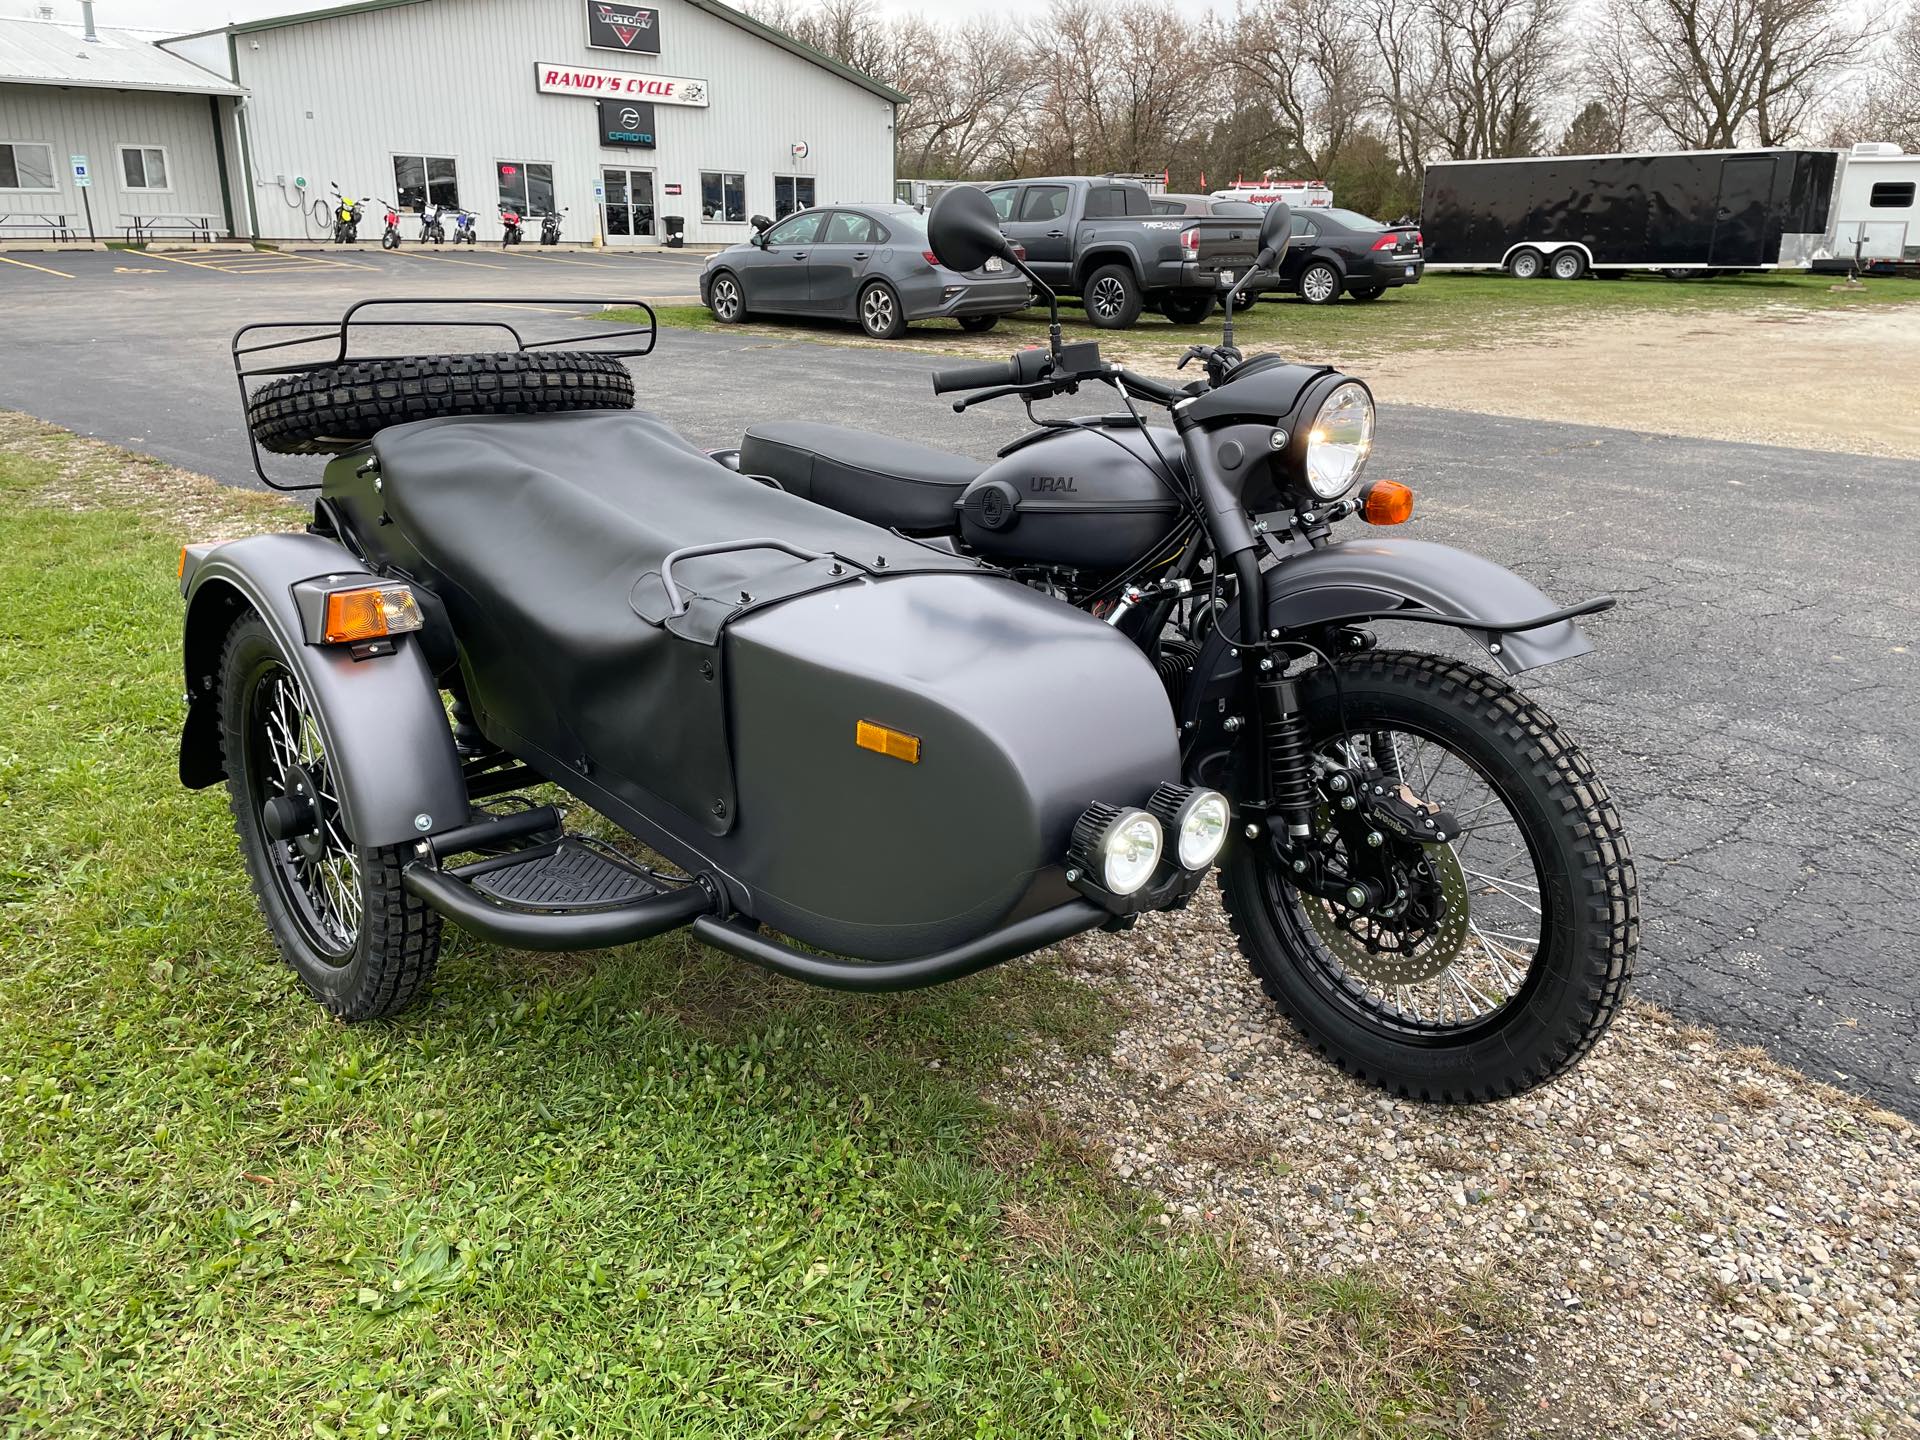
(29, 265)
(444, 259)
(561, 260)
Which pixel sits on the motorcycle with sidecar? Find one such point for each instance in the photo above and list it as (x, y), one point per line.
(875, 716)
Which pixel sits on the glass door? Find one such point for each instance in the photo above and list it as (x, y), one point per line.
(628, 206)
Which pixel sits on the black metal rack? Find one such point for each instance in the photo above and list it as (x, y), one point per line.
(341, 332)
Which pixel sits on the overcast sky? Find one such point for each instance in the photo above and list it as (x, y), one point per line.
(182, 16)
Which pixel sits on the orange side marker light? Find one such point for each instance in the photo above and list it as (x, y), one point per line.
(1386, 502)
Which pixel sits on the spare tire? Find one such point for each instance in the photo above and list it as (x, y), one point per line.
(334, 408)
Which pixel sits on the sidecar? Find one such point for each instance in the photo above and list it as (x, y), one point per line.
(807, 724)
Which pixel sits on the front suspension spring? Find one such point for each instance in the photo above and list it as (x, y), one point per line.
(1289, 773)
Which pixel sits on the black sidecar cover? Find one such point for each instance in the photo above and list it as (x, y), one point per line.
(723, 730)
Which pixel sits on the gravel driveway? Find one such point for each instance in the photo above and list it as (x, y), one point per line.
(1676, 1239)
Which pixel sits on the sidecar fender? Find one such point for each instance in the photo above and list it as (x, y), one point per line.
(381, 718)
(1353, 581)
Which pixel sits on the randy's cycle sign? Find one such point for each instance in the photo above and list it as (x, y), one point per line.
(554, 78)
(634, 28)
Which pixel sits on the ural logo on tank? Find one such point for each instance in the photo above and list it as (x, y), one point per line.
(627, 25)
(1052, 483)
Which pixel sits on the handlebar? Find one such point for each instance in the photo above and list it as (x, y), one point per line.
(976, 377)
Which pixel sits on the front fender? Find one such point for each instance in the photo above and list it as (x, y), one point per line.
(380, 718)
(1351, 582)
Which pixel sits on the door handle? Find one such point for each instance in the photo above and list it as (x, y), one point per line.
(799, 254)
(860, 254)
(1056, 235)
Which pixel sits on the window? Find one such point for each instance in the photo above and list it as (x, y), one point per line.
(847, 228)
(1106, 201)
(1044, 202)
(1302, 228)
(800, 230)
(24, 166)
(420, 180)
(525, 185)
(1237, 210)
(143, 167)
(1169, 207)
(1003, 199)
(1353, 220)
(723, 197)
(791, 193)
(1888, 195)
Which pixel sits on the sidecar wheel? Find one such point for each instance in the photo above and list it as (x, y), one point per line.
(1530, 914)
(336, 910)
(320, 412)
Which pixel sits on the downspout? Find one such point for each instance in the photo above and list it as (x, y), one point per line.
(246, 143)
(220, 160)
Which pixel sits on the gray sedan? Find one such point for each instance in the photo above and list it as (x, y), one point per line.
(871, 264)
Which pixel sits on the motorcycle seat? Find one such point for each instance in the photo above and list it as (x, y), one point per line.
(894, 483)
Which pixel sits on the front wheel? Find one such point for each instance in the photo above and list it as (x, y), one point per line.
(1507, 949)
(337, 910)
(1319, 284)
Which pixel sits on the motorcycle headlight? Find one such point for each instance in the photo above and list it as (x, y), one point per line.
(1339, 440)
(1122, 847)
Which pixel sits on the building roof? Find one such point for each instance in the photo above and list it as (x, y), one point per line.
(713, 7)
(52, 52)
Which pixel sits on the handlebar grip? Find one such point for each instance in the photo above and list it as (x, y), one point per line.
(976, 377)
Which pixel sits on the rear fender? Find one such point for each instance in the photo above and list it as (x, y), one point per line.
(1107, 255)
(381, 718)
(1354, 581)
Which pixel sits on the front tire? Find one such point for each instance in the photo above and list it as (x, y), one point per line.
(336, 910)
(726, 300)
(1113, 297)
(1319, 284)
(978, 324)
(1526, 265)
(1534, 1024)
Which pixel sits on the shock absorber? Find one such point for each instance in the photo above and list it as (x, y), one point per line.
(1289, 774)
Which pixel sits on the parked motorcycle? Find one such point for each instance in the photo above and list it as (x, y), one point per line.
(509, 226)
(550, 227)
(465, 228)
(915, 714)
(390, 237)
(432, 228)
(346, 217)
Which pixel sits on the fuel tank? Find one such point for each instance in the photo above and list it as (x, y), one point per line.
(1012, 711)
(1094, 497)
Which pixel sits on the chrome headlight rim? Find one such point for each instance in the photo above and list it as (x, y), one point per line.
(1120, 846)
(1196, 819)
(1320, 395)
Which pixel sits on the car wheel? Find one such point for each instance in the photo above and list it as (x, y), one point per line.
(978, 324)
(1568, 264)
(1113, 298)
(1525, 264)
(1366, 292)
(880, 314)
(1187, 307)
(724, 299)
(1319, 284)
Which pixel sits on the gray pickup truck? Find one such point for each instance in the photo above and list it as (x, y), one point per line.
(1098, 237)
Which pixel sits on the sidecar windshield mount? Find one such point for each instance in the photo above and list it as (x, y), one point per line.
(260, 348)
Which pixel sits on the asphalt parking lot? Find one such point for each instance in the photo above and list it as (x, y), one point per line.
(1750, 703)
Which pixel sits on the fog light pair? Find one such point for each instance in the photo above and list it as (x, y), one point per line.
(1123, 846)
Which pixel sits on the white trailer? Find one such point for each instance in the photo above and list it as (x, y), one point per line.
(1876, 212)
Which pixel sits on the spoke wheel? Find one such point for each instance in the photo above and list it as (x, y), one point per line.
(337, 910)
(1490, 962)
(1319, 284)
(724, 300)
(880, 313)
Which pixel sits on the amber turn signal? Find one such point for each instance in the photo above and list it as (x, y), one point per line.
(882, 741)
(1386, 502)
(370, 613)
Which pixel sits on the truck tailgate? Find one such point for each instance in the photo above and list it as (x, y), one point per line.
(1219, 243)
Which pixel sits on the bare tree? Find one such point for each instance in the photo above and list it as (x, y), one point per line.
(968, 86)
(1307, 63)
(1887, 106)
(1496, 65)
(1120, 84)
(1716, 73)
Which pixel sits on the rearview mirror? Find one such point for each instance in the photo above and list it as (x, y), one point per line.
(964, 230)
(1276, 233)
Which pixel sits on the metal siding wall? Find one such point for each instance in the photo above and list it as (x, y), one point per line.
(456, 78)
(95, 123)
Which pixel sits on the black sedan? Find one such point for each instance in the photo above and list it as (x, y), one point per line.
(871, 264)
(1337, 252)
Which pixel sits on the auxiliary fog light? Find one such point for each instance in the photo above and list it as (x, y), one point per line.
(1197, 819)
(1120, 846)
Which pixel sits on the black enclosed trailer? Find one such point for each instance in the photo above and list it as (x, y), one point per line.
(1682, 210)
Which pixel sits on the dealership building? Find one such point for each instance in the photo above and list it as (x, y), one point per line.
(680, 114)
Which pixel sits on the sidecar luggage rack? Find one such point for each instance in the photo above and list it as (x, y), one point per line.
(341, 334)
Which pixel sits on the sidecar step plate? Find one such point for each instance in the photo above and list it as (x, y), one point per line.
(566, 875)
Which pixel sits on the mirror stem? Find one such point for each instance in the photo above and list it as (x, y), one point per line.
(1053, 300)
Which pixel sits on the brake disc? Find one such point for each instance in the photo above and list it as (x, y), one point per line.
(1385, 955)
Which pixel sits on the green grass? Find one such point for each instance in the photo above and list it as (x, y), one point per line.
(1442, 311)
(645, 1193)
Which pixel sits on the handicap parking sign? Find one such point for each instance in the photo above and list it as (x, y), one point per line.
(81, 175)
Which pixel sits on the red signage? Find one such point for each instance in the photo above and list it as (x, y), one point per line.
(553, 78)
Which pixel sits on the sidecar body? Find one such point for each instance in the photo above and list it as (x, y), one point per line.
(867, 743)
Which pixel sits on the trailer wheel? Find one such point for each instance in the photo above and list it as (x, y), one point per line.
(1525, 264)
(1568, 264)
